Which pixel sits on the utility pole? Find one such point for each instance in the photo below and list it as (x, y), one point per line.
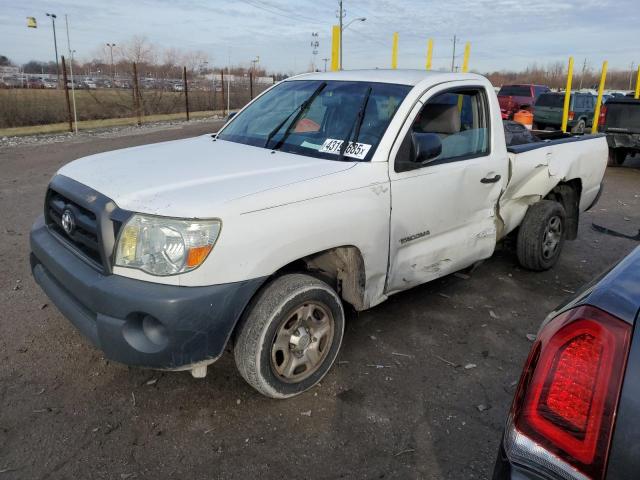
(453, 57)
(325, 60)
(55, 44)
(631, 75)
(113, 72)
(341, 15)
(584, 69)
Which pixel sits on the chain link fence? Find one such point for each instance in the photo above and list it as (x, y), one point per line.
(39, 100)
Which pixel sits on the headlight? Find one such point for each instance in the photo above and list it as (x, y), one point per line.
(165, 246)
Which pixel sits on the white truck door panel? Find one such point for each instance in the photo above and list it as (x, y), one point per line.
(443, 215)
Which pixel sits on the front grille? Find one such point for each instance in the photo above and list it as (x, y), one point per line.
(85, 237)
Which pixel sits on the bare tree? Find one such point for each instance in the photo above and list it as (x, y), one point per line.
(138, 49)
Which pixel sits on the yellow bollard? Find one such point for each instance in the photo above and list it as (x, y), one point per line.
(637, 95)
(335, 48)
(429, 53)
(465, 61)
(567, 96)
(394, 51)
(596, 114)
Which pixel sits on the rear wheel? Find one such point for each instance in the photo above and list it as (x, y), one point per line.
(579, 127)
(617, 157)
(541, 235)
(290, 336)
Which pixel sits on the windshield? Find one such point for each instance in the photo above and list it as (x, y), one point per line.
(314, 118)
(515, 91)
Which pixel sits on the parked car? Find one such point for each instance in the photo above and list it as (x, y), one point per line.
(13, 82)
(89, 85)
(575, 413)
(258, 238)
(35, 83)
(620, 120)
(104, 83)
(550, 106)
(50, 83)
(518, 97)
(178, 87)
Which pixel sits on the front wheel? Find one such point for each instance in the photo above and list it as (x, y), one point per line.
(290, 336)
(541, 235)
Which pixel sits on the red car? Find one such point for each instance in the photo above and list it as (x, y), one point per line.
(516, 97)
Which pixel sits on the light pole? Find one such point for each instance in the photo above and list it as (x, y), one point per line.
(113, 71)
(325, 60)
(55, 44)
(453, 55)
(343, 28)
(73, 86)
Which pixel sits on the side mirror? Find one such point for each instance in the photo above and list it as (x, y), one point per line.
(231, 115)
(426, 147)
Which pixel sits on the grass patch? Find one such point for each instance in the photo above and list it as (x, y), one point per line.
(29, 107)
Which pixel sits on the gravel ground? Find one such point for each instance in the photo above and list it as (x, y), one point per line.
(420, 389)
(85, 135)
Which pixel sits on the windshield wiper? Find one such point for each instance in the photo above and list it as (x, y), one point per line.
(356, 126)
(300, 111)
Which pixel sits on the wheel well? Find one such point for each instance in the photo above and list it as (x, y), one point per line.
(340, 267)
(568, 195)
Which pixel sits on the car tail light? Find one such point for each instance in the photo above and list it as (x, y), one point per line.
(571, 115)
(603, 116)
(563, 414)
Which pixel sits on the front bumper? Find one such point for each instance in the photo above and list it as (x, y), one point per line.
(188, 325)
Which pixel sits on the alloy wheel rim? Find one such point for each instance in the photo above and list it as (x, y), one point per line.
(552, 237)
(302, 342)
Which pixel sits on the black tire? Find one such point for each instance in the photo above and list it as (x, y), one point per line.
(269, 314)
(579, 127)
(535, 249)
(617, 156)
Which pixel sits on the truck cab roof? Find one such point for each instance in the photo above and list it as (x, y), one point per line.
(399, 77)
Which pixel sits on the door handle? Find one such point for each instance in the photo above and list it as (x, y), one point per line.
(490, 179)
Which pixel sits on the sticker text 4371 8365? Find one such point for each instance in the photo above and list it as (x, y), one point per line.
(353, 150)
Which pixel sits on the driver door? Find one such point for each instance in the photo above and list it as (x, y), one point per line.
(443, 215)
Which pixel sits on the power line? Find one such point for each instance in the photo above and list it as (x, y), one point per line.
(275, 10)
(371, 39)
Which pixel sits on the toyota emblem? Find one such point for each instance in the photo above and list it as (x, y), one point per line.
(68, 221)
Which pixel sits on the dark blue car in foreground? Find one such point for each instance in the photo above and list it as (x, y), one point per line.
(576, 411)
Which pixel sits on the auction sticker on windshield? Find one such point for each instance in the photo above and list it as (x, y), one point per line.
(353, 150)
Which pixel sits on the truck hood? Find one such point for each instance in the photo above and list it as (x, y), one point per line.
(187, 178)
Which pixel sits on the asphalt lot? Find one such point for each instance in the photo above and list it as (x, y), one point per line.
(400, 402)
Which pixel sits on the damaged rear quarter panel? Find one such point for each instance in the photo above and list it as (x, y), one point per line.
(534, 173)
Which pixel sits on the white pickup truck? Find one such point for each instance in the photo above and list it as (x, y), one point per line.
(328, 191)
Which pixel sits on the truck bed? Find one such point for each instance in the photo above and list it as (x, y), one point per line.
(548, 138)
(536, 168)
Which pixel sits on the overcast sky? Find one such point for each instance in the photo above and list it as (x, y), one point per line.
(505, 34)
